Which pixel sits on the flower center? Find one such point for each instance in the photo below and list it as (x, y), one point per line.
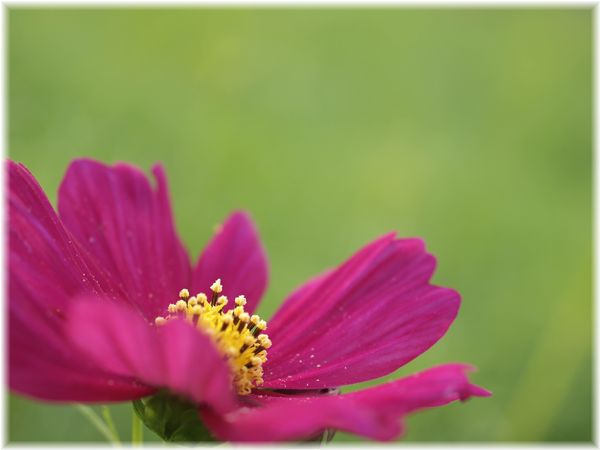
(237, 335)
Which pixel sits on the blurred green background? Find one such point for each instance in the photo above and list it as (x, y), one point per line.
(469, 128)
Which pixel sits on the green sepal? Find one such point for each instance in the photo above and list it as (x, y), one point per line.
(172, 418)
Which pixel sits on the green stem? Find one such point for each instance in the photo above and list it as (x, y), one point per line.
(137, 436)
(109, 421)
(97, 422)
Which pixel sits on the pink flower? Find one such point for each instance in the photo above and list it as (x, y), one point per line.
(90, 321)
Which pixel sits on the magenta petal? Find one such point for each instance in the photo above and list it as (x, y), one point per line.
(43, 255)
(236, 256)
(46, 268)
(43, 376)
(127, 225)
(36, 349)
(373, 314)
(174, 356)
(375, 413)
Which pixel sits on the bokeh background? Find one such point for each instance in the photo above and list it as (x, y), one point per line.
(468, 127)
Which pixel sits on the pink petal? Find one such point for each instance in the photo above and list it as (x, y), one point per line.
(43, 375)
(373, 314)
(67, 376)
(46, 268)
(43, 254)
(236, 256)
(128, 226)
(174, 356)
(375, 413)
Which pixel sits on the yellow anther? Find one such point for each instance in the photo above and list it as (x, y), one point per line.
(192, 301)
(245, 317)
(172, 308)
(255, 361)
(222, 300)
(181, 305)
(255, 319)
(264, 340)
(184, 294)
(238, 310)
(249, 340)
(196, 310)
(217, 287)
(262, 325)
(160, 321)
(255, 371)
(240, 300)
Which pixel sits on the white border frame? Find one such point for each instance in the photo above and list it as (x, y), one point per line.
(315, 3)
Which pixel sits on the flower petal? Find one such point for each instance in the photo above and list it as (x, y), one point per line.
(47, 267)
(374, 413)
(55, 374)
(43, 365)
(174, 356)
(373, 314)
(237, 257)
(128, 226)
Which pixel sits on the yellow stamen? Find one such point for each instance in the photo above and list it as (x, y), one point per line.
(235, 333)
(217, 287)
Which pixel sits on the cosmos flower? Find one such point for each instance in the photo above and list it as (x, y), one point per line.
(105, 306)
